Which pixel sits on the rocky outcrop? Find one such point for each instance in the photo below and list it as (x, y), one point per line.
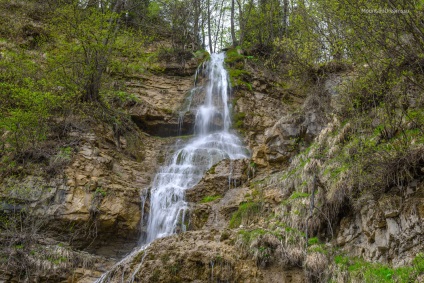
(389, 229)
(160, 98)
(96, 202)
(223, 176)
(200, 256)
(212, 199)
(277, 123)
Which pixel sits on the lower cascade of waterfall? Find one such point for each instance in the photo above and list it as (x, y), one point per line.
(212, 143)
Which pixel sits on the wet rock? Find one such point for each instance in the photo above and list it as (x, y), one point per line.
(223, 176)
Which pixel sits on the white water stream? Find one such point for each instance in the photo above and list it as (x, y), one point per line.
(212, 142)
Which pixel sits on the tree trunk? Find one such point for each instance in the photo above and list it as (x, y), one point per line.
(203, 31)
(196, 24)
(218, 26)
(209, 27)
(92, 87)
(233, 33)
(243, 19)
(285, 16)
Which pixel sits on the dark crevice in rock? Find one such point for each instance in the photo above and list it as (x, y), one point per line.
(159, 126)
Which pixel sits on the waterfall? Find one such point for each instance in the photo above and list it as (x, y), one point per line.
(211, 143)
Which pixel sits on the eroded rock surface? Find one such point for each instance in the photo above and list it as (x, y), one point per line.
(200, 256)
(278, 123)
(161, 97)
(97, 199)
(389, 230)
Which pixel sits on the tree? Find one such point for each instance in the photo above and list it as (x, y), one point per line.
(85, 38)
(209, 26)
(233, 33)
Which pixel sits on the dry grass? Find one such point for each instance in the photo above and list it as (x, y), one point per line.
(30, 255)
(316, 267)
(267, 247)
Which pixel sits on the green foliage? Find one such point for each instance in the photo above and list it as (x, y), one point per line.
(368, 272)
(128, 56)
(84, 41)
(234, 56)
(119, 98)
(27, 111)
(296, 195)
(239, 120)
(246, 211)
(318, 249)
(207, 199)
(100, 192)
(154, 9)
(249, 235)
(313, 241)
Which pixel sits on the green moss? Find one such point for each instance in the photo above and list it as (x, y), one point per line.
(236, 73)
(313, 241)
(239, 76)
(212, 169)
(239, 120)
(296, 195)
(202, 55)
(233, 56)
(168, 111)
(207, 199)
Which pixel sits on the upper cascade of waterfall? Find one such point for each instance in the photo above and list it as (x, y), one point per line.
(212, 142)
(214, 115)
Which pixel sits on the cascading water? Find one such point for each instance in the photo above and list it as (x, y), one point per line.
(212, 142)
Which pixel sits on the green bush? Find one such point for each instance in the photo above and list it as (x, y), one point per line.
(25, 119)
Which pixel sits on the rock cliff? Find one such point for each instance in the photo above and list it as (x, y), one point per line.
(248, 219)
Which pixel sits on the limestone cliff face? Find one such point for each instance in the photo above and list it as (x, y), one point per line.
(247, 218)
(161, 97)
(279, 122)
(387, 229)
(94, 204)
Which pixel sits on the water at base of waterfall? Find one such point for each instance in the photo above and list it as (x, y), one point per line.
(212, 143)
